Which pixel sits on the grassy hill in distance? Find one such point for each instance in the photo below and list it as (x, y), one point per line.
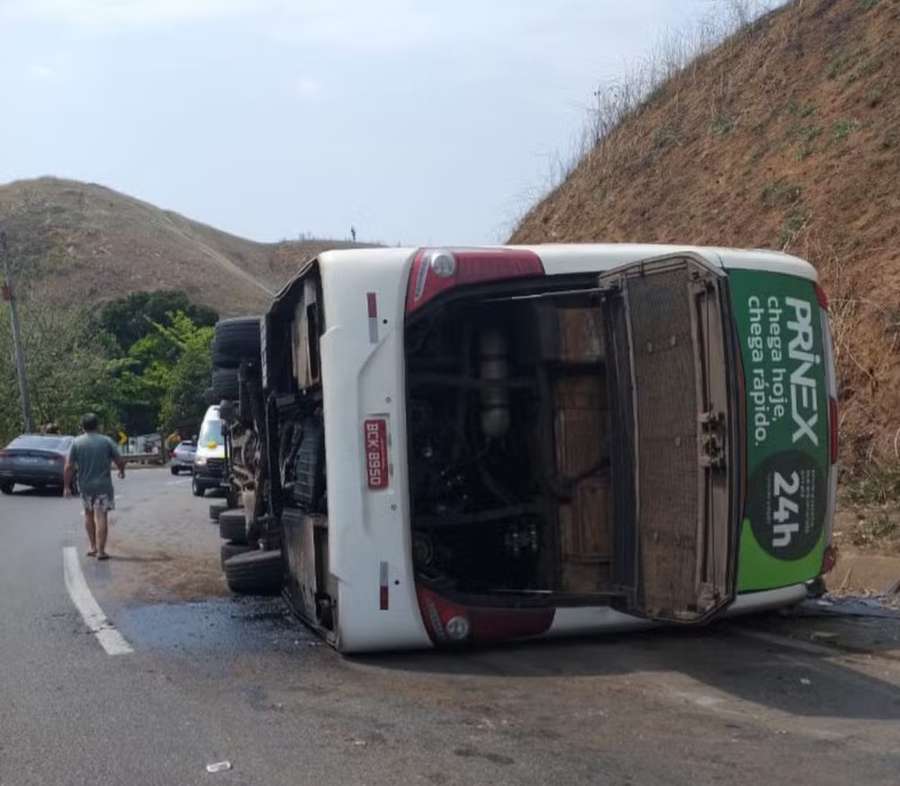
(85, 243)
(785, 136)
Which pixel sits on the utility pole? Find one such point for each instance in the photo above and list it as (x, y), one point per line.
(9, 296)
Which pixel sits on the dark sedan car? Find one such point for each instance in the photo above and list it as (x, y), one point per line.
(34, 460)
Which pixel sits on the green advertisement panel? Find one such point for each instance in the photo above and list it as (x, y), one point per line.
(783, 527)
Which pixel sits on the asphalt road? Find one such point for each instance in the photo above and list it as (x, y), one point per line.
(808, 699)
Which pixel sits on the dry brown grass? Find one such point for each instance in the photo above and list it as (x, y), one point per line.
(783, 136)
(81, 243)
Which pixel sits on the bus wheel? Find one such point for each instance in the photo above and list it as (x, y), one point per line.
(233, 526)
(254, 573)
(232, 549)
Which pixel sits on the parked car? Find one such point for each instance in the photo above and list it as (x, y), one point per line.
(34, 460)
(183, 457)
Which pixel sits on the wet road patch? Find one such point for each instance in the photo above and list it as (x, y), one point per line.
(222, 625)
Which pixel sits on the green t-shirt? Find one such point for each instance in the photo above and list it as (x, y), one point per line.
(93, 454)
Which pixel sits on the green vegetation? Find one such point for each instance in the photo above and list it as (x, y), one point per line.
(801, 110)
(67, 368)
(807, 136)
(781, 193)
(128, 320)
(183, 404)
(141, 363)
(871, 66)
(841, 63)
(665, 136)
(722, 124)
(877, 528)
(843, 128)
(874, 97)
(876, 484)
(854, 66)
(794, 222)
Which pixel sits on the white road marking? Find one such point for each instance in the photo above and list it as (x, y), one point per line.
(110, 639)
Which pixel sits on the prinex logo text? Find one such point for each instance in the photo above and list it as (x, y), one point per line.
(804, 401)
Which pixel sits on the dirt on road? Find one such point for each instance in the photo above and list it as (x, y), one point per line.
(163, 535)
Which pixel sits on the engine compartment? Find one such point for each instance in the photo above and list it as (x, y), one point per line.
(508, 428)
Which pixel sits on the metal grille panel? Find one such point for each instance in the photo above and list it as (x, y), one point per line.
(666, 401)
(215, 466)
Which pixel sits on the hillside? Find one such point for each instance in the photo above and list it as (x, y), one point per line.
(786, 136)
(85, 243)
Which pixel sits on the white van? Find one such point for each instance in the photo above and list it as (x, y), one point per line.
(481, 444)
(209, 460)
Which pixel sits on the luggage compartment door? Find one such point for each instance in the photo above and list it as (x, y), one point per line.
(671, 388)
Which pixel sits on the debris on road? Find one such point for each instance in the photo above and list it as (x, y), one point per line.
(219, 766)
(849, 605)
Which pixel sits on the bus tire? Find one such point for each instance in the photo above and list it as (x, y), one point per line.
(233, 526)
(232, 549)
(235, 340)
(254, 573)
(225, 383)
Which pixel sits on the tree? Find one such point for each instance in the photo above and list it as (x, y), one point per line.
(67, 363)
(131, 318)
(162, 377)
(73, 367)
(184, 404)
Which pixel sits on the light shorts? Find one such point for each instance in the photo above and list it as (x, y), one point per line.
(98, 503)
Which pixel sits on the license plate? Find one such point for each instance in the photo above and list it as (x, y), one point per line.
(375, 434)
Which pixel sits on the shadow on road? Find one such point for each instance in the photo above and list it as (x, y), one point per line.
(728, 658)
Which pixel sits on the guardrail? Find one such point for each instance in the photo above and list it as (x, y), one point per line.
(144, 458)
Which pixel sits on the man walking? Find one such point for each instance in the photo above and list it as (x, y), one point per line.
(91, 455)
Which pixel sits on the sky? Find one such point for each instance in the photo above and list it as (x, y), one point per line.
(416, 122)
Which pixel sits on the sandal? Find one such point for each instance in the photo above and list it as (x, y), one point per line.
(91, 553)
(102, 556)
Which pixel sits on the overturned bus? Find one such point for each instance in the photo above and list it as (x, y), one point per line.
(442, 446)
